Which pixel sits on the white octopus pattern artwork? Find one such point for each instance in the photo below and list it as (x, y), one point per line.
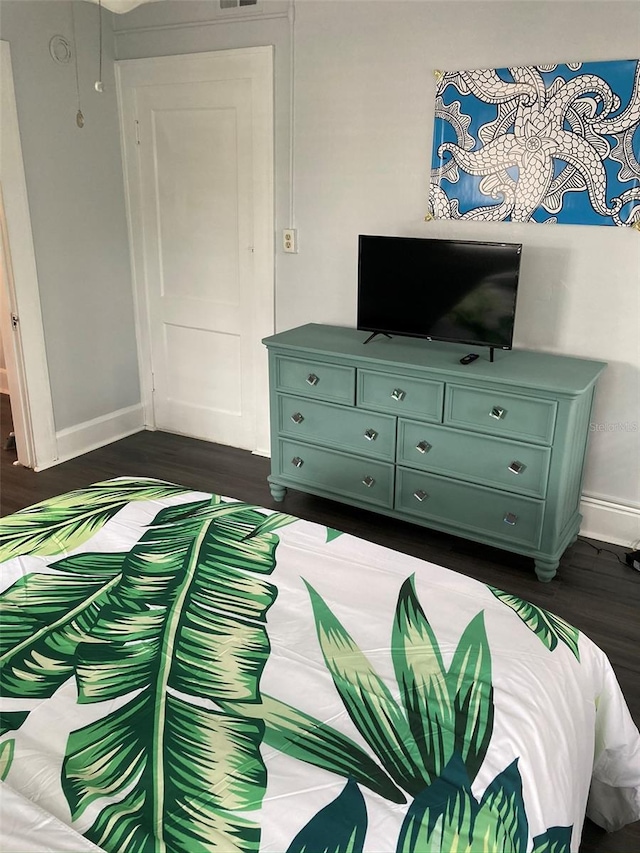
(540, 143)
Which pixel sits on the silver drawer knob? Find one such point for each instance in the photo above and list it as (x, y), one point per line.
(297, 417)
(420, 495)
(497, 412)
(312, 379)
(510, 518)
(516, 467)
(370, 434)
(423, 447)
(398, 394)
(368, 482)
(297, 462)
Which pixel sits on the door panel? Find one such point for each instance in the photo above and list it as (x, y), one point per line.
(196, 183)
(201, 198)
(197, 172)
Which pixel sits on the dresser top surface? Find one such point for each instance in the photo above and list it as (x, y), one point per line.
(523, 368)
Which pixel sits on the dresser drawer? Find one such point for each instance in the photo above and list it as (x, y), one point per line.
(365, 433)
(490, 515)
(488, 461)
(330, 382)
(500, 413)
(400, 395)
(328, 471)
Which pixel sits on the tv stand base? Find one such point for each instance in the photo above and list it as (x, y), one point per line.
(375, 335)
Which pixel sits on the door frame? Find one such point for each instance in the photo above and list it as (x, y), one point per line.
(24, 344)
(257, 63)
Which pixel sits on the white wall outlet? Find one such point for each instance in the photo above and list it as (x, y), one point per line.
(290, 240)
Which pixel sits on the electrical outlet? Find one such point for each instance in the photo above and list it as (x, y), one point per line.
(290, 240)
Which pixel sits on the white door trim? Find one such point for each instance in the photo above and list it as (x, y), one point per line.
(187, 68)
(37, 447)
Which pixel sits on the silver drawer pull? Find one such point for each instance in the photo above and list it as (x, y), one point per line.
(420, 495)
(398, 394)
(368, 482)
(497, 412)
(516, 467)
(312, 379)
(370, 434)
(297, 462)
(297, 417)
(510, 518)
(423, 447)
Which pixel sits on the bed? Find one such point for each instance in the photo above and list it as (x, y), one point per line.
(185, 672)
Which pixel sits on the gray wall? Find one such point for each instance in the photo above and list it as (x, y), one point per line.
(76, 197)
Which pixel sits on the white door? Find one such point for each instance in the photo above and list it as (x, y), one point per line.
(198, 133)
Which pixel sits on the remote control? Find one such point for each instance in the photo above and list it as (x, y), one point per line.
(467, 359)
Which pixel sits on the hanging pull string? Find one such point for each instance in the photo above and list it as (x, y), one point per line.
(79, 116)
(98, 83)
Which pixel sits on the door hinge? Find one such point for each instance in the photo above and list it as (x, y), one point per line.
(137, 132)
(14, 321)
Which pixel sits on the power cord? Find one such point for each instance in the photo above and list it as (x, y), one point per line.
(631, 559)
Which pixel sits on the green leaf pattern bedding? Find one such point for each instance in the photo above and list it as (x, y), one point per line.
(185, 673)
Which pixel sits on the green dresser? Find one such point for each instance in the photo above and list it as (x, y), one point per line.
(490, 451)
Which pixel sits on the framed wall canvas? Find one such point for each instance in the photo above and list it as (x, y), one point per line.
(540, 143)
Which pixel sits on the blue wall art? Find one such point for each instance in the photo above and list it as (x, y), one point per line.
(540, 143)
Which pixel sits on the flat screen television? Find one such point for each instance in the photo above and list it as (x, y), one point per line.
(445, 290)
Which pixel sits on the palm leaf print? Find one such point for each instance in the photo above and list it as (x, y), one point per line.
(447, 818)
(11, 720)
(185, 623)
(422, 678)
(45, 616)
(443, 711)
(439, 820)
(448, 711)
(446, 719)
(308, 739)
(368, 700)
(61, 524)
(184, 778)
(469, 679)
(160, 635)
(548, 627)
(340, 827)
(6, 757)
(332, 534)
(271, 522)
(501, 821)
(557, 839)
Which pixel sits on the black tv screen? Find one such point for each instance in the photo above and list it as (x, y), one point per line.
(447, 290)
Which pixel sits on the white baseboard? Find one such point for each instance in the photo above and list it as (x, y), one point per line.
(79, 439)
(610, 522)
(4, 383)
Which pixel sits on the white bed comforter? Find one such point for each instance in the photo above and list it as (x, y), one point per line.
(184, 673)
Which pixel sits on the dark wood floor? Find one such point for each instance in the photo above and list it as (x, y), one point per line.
(594, 589)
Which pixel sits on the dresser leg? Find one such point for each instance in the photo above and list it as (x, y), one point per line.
(546, 569)
(277, 491)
